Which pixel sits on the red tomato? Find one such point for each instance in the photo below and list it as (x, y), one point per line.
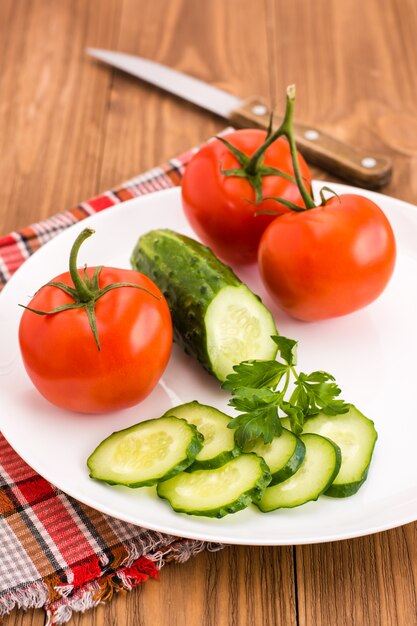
(329, 260)
(220, 208)
(62, 358)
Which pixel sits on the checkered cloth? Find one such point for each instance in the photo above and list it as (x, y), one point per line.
(55, 552)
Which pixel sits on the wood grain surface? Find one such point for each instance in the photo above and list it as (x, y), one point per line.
(70, 127)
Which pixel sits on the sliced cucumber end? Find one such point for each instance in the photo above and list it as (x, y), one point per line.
(239, 328)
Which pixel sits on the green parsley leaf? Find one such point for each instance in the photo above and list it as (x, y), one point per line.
(287, 349)
(259, 415)
(261, 423)
(322, 394)
(249, 399)
(255, 374)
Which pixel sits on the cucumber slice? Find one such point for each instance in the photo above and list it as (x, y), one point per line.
(216, 318)
(283, 455)
(146, 453)
(219, 441)
(316, 473)
(217, 492)
(355, 435)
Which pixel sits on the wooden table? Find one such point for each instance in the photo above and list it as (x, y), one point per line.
(70, 128)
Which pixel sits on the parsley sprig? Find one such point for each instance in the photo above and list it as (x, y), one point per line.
(261, 394)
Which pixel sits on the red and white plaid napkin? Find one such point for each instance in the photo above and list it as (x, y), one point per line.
(55, 552)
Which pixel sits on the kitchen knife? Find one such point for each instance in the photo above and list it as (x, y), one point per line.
(318, 148)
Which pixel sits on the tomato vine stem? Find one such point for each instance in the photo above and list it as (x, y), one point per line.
(285, 129)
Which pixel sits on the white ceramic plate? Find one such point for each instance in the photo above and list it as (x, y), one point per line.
(372, 353)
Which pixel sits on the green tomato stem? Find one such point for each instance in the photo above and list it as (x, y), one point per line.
(285, 129)
(252, 165)
(84, 293)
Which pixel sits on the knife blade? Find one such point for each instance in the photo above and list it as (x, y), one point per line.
(319, 148)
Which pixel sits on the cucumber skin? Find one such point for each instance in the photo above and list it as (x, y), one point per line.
(166, 256)
(191, 452)
(292, 466)
(214, 462)
(338, 463)
(245, 499)
(347, 490)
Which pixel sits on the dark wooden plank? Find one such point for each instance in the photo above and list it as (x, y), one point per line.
(370, 581)
(53, 105)
(34, 617)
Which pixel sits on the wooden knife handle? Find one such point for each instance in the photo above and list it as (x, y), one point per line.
(328, 153)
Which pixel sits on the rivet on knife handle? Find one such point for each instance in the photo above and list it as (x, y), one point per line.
(319, 149)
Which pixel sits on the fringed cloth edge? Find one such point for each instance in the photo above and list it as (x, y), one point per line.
(91, 592)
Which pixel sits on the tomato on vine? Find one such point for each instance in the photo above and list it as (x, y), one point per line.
(97, 339)
(327, 260)
(225, 189)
